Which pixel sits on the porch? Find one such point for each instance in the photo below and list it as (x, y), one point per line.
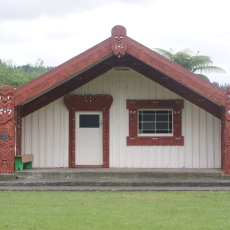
(114, 179)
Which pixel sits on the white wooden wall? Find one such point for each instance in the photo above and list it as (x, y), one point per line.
(45, 132)
(46, 135)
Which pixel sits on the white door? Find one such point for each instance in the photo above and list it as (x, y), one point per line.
(88, 148)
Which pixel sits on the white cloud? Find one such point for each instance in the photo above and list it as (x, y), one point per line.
(59, 30)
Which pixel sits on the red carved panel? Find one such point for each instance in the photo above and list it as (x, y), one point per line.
(134, 105)
(88, 103)
(227, 132)
(62, 72)
(68, 86)
(175, 71)
(173, 85)
(119, 40)
(7, 129)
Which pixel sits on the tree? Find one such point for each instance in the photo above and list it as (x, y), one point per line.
(197, 64)
(13, 75)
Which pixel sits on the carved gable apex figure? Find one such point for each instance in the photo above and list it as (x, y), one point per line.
(119, 40)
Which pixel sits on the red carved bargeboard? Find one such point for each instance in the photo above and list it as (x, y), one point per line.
(175, 71)
(62, 72)
(88, 103)
(7, 129)
(134, 105)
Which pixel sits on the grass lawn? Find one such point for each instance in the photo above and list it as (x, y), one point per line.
(115, 210)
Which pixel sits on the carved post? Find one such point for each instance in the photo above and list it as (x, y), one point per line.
(6, 129)
(227, 132)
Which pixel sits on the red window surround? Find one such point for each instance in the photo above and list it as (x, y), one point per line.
(88, 103)
(134, 105)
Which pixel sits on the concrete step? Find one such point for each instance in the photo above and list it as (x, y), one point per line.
(7, 177)
(117, 188)
(117, 183)
(122, 174)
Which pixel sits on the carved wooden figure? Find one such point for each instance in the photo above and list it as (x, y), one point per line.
(119, 40)
(7, 129)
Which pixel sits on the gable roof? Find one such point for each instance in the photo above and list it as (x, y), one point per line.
(118, 50)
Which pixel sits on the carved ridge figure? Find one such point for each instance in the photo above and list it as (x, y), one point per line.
(119, 40)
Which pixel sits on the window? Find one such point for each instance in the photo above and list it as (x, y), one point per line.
(155, 122)
(88, 121)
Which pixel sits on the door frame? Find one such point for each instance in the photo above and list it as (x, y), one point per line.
(88, 102)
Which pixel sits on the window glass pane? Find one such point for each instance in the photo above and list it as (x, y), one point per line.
(161, 125)
(140, 125)
(155, 121)
(148, 112)
(170, 125)
(170, 117)
(160, 117)
(148, 117)
(162, 111)
(89, 120)
(148, 125)
(162, 131)
(149, 131)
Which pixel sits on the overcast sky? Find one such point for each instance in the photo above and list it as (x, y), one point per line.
(57, 30)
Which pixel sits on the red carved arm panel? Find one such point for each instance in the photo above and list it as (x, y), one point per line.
(134, 105)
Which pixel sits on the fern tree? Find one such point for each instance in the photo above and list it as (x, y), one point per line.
(197, 64)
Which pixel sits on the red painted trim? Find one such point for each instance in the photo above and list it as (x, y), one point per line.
(62, 72)
(173, 85)
(88, 103)
(120, 48)
(134, 139)
(88, 166)
(68, 86)
(175, 71)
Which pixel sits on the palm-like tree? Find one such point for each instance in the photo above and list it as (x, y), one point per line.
(197, 64)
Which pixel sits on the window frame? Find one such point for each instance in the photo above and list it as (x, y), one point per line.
(155, 121)
(135, 138)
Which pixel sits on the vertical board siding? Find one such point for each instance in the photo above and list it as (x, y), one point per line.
(45, 132)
